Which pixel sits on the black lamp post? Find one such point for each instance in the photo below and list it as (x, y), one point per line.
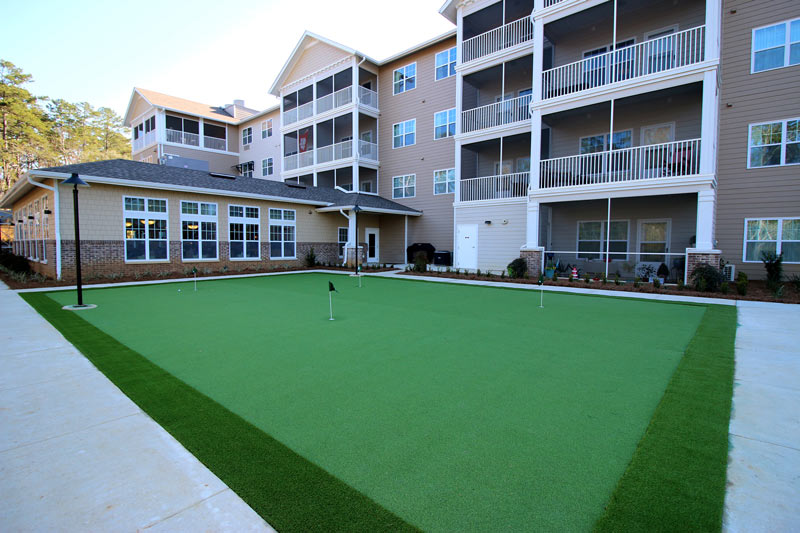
(75, 180)
(356, 211)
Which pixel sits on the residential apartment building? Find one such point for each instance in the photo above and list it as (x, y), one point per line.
(611, 136)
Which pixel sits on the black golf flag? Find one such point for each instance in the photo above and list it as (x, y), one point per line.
(331, 288)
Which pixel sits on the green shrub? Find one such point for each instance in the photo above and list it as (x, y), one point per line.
(795, 281)
(604, 279)
(681, 285)
(724, 288)
(517, 268)
(636, 282)
(420, 262)
(587, 277)
(14, 263)
(616, 279)
(773, 264)
(311, 258)
(741, 284)
(707, 278)
(502, 274)
(478, 272)
(555, 276)
(656, 283)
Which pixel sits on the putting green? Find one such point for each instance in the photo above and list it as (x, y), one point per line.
(454, 407)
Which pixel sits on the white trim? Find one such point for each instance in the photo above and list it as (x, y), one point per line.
(147, 214)
(639, 236)
(244, 220)
(435, 79)
(403, 135)
(282, 223)
(778, 241)
(787, 44)
(364, 209)
(784, 131)
(603, 234)
(376, 232)
(455, 181)
(200, 219)
(404, 186)
(447, 125)
(416, 76)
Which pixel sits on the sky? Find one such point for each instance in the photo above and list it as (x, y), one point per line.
(203, 50)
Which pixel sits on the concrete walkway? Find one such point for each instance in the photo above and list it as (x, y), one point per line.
(77, 455)
(764, 460)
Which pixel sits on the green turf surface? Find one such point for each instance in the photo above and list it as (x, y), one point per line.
(453, 407)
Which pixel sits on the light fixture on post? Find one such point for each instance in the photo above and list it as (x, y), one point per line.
(75, 181)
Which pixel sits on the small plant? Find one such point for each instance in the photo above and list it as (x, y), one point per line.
(517, 268)
(570, 279)
(616, 279)
(656, 283)
(587, 277)
(636, 282)
(502, 274)
(541, 279)
(707, 278)
(478, 272)
(681, 285)
(741, 284)
(795, 281)
(663, 271)
(773, 264)
(554, 279)
(420, 262)
(724, 288)
(604, 279)
(701, 284)
(778, 292)
(645, 271)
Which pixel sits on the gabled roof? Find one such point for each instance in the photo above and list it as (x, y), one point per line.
(306, 39)
(182, 105)
(449, 10)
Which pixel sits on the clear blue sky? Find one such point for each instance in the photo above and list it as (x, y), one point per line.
(202, 50)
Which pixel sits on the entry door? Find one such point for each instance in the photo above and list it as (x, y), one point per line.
(654, 238)
(467, 246)
(373, 250)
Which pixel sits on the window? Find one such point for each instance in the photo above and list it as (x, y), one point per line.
(599, 143)
(404, 133)
(247, 169)
(145, 221)
(774, 143)
(342, 240)
(404, 186)
(444, 181)
(247, 136)
(592, 239)
(776, 46)
(45, 226)
(282, 224)
(266, 128)
(777, 235)
(444, 124)
(446, 64)
(405, 78)
(198, 230)
(244, 228)
(266, 167)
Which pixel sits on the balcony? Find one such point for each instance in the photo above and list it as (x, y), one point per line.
(368, 150)
(334, 152)
(368, 97)
(214, 143)
(335, 100)
(295, 161)
(500, 38)
(502, 113)
(655, 56)
(182, 137)
(147, 139)
(640, 163)
(494, 187)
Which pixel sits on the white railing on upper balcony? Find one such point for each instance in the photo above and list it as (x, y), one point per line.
(138, 144)
(500, 38)
(650, 57)
(214, 143)
(298, 113)
(548, 3)
(651, 162)
(336, 99)
(334, 152)
(295, 161)
(182, 137)
(368, 150)
(497, 114)
(368, 97)
(494, 187)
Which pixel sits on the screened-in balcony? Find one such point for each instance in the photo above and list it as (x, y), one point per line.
(500, 26)
(497, 114)
(497, 96)
(328, 94)
(495, 187)
(495, 169)
(183, 137)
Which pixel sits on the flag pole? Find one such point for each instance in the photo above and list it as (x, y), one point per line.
(330, 301)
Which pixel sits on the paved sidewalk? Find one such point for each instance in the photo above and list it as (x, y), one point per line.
(77, 455)
(764, 460)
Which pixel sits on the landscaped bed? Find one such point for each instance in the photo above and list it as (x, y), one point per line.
(431, 406)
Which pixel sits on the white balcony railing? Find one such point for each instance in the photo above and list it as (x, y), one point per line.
(289, 116)
(298, 113)
(138, 144)
(145, 140)
(214, 143)
(651, 162)
(368, 150)
(295, 161)
(495, 187)
(500, 38)
(339, 98)
(334, 152)
(182, 137)
(650, 57)
(368, 97)
(497, 114)
(548, 3)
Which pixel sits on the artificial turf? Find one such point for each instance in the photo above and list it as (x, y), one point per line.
(452, 407)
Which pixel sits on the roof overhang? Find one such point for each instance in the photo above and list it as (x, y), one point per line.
(449, 10)
(366, 209)
(126, 121)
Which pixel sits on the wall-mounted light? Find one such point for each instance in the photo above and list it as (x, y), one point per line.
(505, 222)
(48, 212)
(487, 222)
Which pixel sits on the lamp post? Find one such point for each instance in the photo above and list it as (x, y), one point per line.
(75, 180)
(356, 211)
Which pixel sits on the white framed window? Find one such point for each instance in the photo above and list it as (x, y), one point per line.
(404, 186)
(45, 225)
(282, 230)
(342, 239)
(444, 124)
(145, 226)
(444, 181)
(775, 46)
(198, 230)
(446, 64)
(404, 133)
(247, 169)
(774, 143)
(266, 167)
(654, 239)
(405, 78)
(266, 128)
(247, 136)
(244, 230)
(599, 143)
(592, 240)
(777, 235)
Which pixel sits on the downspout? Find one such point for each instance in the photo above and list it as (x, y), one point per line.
(54, 188)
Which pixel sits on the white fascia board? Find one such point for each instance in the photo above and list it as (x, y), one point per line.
(126, 121)
(20, 188)
(443, 37)
(449, 10)
(257, 116)
(178, 188)
(656, 187)
(365, 209)
(230, 121)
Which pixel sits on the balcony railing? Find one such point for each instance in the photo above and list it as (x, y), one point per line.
(368, 150)
(295, 161)
(368, 97)
(500, 38)
(495, 187)
(650, 57)
(182, 137)
(651, 162)
(334, 152)
(497, 114)
(548, 3)
(146, 140)
(214, 143)
(339, 98)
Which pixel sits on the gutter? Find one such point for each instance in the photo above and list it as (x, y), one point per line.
(54, 188)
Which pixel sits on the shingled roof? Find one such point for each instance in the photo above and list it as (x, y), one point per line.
(121, 170)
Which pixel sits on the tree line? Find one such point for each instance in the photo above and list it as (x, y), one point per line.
(39, 132)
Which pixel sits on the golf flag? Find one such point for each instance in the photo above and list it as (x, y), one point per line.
(331, 288)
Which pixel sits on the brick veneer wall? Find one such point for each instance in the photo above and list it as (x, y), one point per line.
(534, 259)
(694, 259)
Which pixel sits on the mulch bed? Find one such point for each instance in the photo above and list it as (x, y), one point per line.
(756, 289)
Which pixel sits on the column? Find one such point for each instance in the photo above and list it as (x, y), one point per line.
(356, 186)
(532, 226)
(458, 171)
(713, 24)
(201, 135)
(536, 151)
(709, 124)
(538, 60)
(705, 220)
(536, 114)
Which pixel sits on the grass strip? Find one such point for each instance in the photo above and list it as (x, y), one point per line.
(289, 492)
(676, 478)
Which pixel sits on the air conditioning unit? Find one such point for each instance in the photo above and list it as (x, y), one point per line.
(729, 271)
